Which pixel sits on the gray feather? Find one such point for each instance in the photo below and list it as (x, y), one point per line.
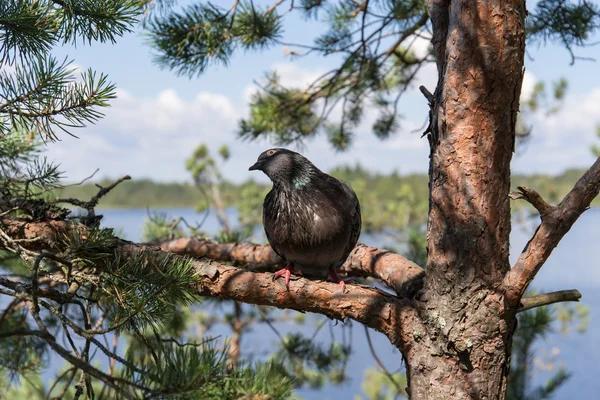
(310, 218)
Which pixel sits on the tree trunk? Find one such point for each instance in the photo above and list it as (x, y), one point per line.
(464, 350)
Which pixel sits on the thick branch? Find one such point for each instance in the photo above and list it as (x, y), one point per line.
(533, 198)
(398, 273)
(254, 255)
(549, 298)
(369, 306)
(554, 226)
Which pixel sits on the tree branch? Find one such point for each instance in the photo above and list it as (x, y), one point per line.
(427, 94)
(421, 22)
(401, 275)
(369, 306)
(399, 390)
(533, 198)
(93, 202)
(549, 298)
(555, 224)
(260, 257)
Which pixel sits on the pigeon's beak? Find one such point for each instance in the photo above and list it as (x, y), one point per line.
(257, 165)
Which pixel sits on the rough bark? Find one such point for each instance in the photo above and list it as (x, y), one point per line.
(480, 49)
(402, 275)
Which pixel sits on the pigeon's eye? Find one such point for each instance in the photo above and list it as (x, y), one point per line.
(271, 152)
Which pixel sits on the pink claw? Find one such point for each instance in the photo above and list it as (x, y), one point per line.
(334, 277)
(287, 272)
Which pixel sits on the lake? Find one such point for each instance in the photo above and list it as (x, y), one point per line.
(574, 264)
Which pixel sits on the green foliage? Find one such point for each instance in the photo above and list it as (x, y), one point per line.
(23, 173)
(32, 27)
(25, 29)
(377, 385)
(550, 102)
(236, 236)
(203, 372)
(386, 124)
(158, 227)
(97, 244)
(137, 194)
(387, 201)
(248, 199)
(96, 20)
(31, 388)
(285, 114)
(207, 176)
(553, 188)
(44, 96)
(256, 28)
(370, 72)
(533, 326)
(25, 177)
(20, 355)
(570, 23)
(540, 99)
(180, 371)
(224, 152)
(39, 93)
(595, 148)
(72, 297)
(202, 165)
(572, 317)
(188, 42)
(144, 290)
(204, 35)
(311, 363)
(417, 246)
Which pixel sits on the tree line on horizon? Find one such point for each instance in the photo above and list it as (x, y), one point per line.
(390, 200)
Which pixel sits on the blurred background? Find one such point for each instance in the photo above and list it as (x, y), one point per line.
(178, 135)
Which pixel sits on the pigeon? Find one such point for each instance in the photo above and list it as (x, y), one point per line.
(311, 219)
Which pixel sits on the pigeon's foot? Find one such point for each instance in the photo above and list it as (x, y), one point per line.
(287, 272)
(335, 278)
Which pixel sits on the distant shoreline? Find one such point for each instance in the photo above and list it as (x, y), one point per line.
(388, 201)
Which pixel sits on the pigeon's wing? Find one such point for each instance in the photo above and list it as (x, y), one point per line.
(347, 203)
(355, 217)
(269, 223)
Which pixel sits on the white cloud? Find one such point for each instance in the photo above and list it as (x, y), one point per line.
(290, 75)
(419, 45)
(563, 139)
(151, 137)
(529, 81)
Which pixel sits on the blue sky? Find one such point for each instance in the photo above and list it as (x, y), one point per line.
(158, 118)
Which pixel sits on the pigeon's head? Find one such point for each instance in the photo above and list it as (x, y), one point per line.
(283, 165)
